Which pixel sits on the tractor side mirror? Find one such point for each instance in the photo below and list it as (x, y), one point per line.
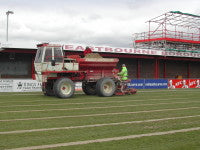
(53, 62)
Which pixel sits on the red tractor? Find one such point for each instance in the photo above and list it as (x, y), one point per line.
(58, 73)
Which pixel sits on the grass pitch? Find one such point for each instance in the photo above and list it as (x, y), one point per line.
(149, 120)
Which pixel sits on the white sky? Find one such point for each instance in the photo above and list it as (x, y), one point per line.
(86, 22)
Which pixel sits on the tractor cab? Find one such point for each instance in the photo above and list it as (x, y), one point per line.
(49, 57)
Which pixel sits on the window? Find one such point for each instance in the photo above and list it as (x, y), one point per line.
(58, 56)
(48, 55)
(38, 57)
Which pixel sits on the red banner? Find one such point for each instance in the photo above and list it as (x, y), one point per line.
(194, 83)
(183, 83)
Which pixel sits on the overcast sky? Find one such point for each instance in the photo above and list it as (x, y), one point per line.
(86, 22)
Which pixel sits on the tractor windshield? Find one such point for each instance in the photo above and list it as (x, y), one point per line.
(47, 54)
(38, 57)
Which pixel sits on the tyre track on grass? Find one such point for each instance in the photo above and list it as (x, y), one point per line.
(92, 115)
(107, 139)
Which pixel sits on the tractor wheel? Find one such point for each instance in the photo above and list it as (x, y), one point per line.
(105, 87)
(48, 89)
(89, 88)
(64, 88)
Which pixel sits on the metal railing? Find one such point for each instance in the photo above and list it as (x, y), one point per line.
(181, 35)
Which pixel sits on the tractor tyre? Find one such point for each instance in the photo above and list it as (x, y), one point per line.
(47, 89)
(105, 87)
(89, 88)
(64, 88)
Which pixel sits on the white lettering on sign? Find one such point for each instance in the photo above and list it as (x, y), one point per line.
(131, 51)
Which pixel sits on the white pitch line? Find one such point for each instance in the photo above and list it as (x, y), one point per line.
(107, 101)
(85, 108)
(96, 125)
(92, 115)
(77, 103)
(88, 103)
(107, 139)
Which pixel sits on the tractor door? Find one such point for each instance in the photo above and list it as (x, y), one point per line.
(38, 63)
(48, 58)
(58, 59)
(39, 59)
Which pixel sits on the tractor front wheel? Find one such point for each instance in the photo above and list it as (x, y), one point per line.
(64, 88)
(105, 87)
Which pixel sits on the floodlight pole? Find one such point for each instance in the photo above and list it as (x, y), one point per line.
(7, 13)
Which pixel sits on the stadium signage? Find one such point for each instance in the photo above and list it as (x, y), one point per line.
(118, 50)
(16, 85)
(164, 83)
(183, 83)
(26, 85)
(148, 83)
(29, 85)
(6, 85)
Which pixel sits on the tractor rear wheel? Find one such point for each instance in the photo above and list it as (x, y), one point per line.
(105, 87)
(64, 88)
(89, 88)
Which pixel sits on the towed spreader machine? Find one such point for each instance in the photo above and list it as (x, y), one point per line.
(58, 73)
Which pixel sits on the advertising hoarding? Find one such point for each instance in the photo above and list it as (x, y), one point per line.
(183, 83)
(148, 83)
(16, 85)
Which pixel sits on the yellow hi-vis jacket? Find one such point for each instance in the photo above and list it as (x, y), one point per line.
(124, 73)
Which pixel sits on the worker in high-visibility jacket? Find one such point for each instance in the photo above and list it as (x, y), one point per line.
(124, 73)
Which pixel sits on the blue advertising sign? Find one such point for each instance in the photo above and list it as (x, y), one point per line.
(148, 83)
(156, 84)
(137, 84)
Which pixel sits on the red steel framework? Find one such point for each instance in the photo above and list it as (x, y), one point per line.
(174, 31)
